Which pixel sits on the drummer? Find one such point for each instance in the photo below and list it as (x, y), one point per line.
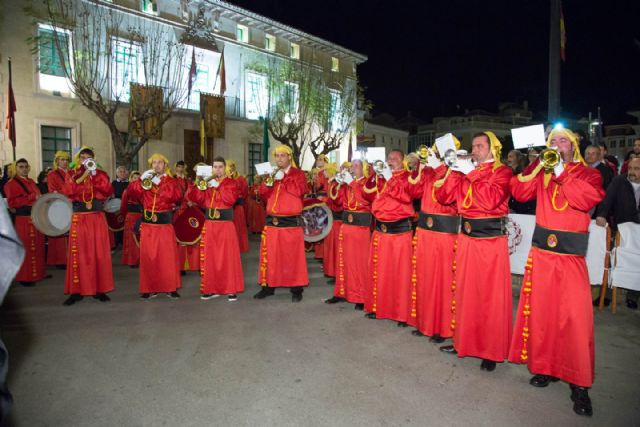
(89, 269)
(188, 253)
(132, 211)
(22, 192)
(57, 246)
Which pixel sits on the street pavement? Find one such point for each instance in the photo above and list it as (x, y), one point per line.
(189, 362)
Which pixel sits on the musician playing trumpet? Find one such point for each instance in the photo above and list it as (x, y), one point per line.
(89, 269)
(159, 193)
(220, 265)
(57, 246)
(554, 323)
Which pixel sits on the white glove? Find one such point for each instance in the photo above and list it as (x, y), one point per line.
(156, 180)
(463, 165)
(213, 183)
(348, 179)
(433, 161)
(147, 174)
(386, 172)
(279, 175)
(559, 168)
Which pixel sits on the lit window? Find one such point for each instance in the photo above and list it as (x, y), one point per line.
(256, 96)
(53, 49)
(242, 33)
(126, 66)
(270, 42)
(294, 51)
(290, 101)
(335, 64)
(334, 110)
(149, 6)
(206, 66)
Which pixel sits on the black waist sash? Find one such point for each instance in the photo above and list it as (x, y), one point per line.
(134, 208)
(23, 211)
(561, 242)
(164, 217)
(219, 214)
(394, 227)
(284, 221)
(337, 215)
(484, 227)
(361, 219)
(96, 206)
(440, 223)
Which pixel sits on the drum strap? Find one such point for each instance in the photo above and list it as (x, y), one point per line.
(21, 184)
(60, 174)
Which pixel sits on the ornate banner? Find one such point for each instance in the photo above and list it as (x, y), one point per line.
(212, 113)
(146, 106)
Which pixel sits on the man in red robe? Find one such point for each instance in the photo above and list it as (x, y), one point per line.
(256, 213)
(554, 322)
(22, 192)
(320, 188)
(481, 282)
(330, 243)
(282, 258)
(433, 258)
(89, 269)
(354, 238)
(132, 211)
(188, 254)
(220, 265)
(57, 246)
(239, 218)
(159, 193)
(389, 292)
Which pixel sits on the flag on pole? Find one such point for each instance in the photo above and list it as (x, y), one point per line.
(203, 135)
(222, 74)
(10, 124)
(193, 72)
(350, 151)
(265, 141)
(563, 37)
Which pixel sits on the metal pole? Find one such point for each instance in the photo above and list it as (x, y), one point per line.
(554, 61)
(13, 124)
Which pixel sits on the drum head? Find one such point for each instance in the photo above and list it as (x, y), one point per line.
(115, 221)
(317, 220)
(51, 214)
(188, 226)
(112, 205)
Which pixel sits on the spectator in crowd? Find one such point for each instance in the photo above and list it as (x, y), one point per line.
(593, 157)
(609, 160)
(532, 155)
(630, 155)
(622, 204)
(516, 161)
(6, 176)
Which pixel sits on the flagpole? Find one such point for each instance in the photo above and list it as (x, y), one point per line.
(12, 118)
(553, 107)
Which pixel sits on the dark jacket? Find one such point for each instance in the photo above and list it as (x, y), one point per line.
(620, 202)
(606, 173)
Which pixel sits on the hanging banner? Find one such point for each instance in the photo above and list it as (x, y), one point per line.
(212, 113)
(146, 107)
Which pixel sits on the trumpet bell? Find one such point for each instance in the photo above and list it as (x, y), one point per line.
(549, 158)
(147, 184)
(378, 166)
(202, 184)
(422, 152)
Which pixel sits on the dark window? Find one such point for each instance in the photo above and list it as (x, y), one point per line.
(54, 139)
(50, 51)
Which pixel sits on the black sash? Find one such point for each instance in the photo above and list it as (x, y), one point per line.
(361, 219)
(164, 217)
(440, 223)
(484, 227)
(134, 208)
(96, 206)
(23, 211)
(337, 215)
(284, 221)
(561, 242)
(394, 227)
(21, 184)
(219, 214)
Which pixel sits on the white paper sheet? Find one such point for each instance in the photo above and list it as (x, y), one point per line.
(264, 168)
(528, 136)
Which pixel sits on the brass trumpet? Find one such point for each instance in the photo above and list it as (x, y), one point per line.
(451, 157)
(90, 165)
(423, 152)
(147, 183)
(549, 159)
(270, 179)
(203, 183)
(378, 166)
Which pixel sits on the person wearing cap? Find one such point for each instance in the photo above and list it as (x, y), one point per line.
(388, 294)
(89, 270)
(57, 246)
(132, 211)
(481, 285)
(433, 253)
(354, 238)
(553, 334)
(334, 202)
(239, 215)
(159, 269)
(282, 258)
(22, 192)
(220, 265)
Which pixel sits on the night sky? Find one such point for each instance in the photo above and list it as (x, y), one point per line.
(433, 57)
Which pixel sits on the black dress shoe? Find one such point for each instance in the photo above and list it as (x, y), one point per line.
(596, 302)
(183, 273)
(333, 300)
(264, 292)
(417, 333)
(331, 281)
(436, 339)
(48, 276)
(402, 324)
(173, 295)
(448, 349)
(359, 307)
(542, 380)
(61, 266)
(581, 401)
(28, 284)
(297, 297)
(633, 305)
(102, 297)
(488, 365)
(73, 298)
(370, 315)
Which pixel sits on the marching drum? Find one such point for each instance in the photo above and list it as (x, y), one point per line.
(188, 225)
(112, 205)
(51, 214)
(115, 220)
(317, 219)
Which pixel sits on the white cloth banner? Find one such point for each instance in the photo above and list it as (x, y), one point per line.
(520, 232)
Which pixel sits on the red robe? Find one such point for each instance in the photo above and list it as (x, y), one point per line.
(554, 322)
(89, 268)
(330, 250)
(33, 266)
(239, 218)
(482, 276)
(159, 269)
(320, 188)
(56, 246)
(282, 258)
(433, 269)
(188, 255)
(389, 293)
(353, 245)
(130, 248)
(255, 209)
(220, 264)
